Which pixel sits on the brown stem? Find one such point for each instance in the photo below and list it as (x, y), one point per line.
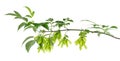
(89, 31)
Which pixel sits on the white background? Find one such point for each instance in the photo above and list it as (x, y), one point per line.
(102, 48)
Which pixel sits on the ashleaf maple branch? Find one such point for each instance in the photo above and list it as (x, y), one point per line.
(99, 32)
(50, 31)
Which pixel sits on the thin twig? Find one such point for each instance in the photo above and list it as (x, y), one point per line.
(89, 31)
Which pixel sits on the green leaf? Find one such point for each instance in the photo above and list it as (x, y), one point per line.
(59, 35)
(17, 14)
(21, 25)
(40, 48)
(115, 27)
(96, 26)
(28, 24)
(30, 11)
(103, 26)
(83, 33)
(45, 25)
(68, 19)
(64, 41)
(86, 30)
(25, 19)
(29, 44)
(12, 14)
(81, 41)
(40, 39)
(28, 27)
(28, 16)
(34, 29)
(29, 37)
(67, 24)
(54, 37)
(61, 43)
(60, 23)
(36, 24)
(77, 42)
(50, 19)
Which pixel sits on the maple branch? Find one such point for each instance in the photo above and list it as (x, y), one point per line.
(99, 32)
